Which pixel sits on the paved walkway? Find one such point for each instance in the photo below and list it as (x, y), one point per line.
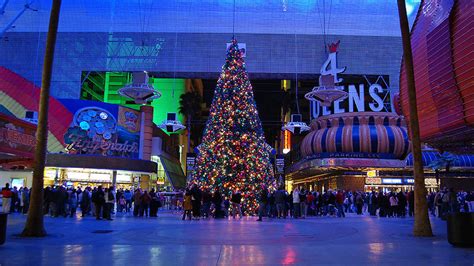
(167, 240)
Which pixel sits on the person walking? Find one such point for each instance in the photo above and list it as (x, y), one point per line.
(109, 203)
(145, 204)
(289, 210)
(217, 201)
(296, 203)
(393, 205)
(331, 203)
(339, 204)
(310, 198)
(303, 206)
(137, 201)
(187, 205)
(46, 200)
(98, 198)
(470, 201)
(196, 201)
(206, 203)
(72, 201)
(6, 198)
(262, 203)
(61, 201)
(453, 201)
(280, 201)
(236, 200)
(359, 202)
(402, 204)
(445, 204)
(24, 197)
(85, 201)
(154, 203)
(128, 200)
(15, 200)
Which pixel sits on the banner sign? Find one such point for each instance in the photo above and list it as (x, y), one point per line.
(364, 155)
(17, 136)
(190, 163)
(107, 130)
(373, 180)
(280, 164)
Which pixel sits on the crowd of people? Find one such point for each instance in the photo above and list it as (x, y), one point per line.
(301, 203)
(446, 200)
(199, 203)
(14, 199)
(98, 201)
(196, 203)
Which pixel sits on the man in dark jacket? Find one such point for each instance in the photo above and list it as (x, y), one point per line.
(411, 203)
(196, 201)
(85, 201)
(236, 199)
(280, 201)
(206, 203)
(98, 198)
(262, 203)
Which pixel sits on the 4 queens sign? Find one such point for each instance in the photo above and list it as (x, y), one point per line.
(367, 93)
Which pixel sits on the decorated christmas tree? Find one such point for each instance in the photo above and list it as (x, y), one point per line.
(233, 154)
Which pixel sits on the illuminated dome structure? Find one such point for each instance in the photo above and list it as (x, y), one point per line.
(357, 135)
(355, 151)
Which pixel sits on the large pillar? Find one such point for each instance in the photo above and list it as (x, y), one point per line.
(114, 178)
(146, 132)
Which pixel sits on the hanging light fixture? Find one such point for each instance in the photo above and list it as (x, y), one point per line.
(327, 92)
(139, 90)
(296, 124)
(171, 124)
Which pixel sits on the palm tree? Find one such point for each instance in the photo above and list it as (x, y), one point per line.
(190, 106)
(422, 225)
(34, 226)
(444, 161)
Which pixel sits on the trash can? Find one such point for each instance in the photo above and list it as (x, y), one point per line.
(3, 227)
(461, 229)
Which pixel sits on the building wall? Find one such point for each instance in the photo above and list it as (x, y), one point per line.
(466, 184)
(7, 176)
(354, 183)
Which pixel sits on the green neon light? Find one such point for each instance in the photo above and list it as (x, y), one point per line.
(170, 89)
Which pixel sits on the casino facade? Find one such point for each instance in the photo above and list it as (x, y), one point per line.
(89, 143)
(348, 148)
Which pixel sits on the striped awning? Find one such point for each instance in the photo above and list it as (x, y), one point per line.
(462, 160)
(174, 172)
